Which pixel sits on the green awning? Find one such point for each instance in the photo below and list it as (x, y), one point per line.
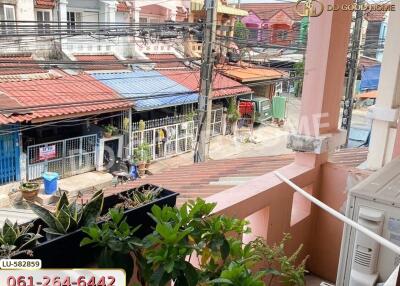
(198, 5)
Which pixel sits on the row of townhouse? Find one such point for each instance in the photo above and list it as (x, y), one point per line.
(56, 120)
(78, 14)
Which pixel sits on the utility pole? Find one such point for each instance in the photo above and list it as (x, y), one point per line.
(207, 67)
(353, 71)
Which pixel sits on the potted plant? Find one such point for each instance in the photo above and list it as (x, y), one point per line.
(114, 241)
(233, 114)
(115, 131)
(16, 240)
(63, 231)
(29, 191)
(142, 157)
(108, 131)
(215, 244)
(137, 203)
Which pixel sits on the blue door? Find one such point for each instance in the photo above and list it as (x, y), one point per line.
(9, 155)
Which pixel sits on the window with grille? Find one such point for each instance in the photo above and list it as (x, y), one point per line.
(74, 20)
(7, 14)
(43, 18)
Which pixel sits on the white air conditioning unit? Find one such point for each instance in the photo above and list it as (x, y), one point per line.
(375, 204)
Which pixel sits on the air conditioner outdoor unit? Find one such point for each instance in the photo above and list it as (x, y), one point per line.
(375, 204)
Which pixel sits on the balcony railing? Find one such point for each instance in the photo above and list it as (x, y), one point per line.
(272, 208)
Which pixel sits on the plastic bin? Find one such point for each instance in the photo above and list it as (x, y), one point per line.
(50, 182)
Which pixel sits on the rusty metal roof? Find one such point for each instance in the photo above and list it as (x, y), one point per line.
(63, 96)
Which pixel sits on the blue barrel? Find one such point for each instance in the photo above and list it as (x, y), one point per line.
(50, 182)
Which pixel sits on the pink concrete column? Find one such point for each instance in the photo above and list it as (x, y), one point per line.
(325, 64)
(323, 87)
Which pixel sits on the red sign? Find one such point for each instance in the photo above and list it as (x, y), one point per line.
(48, 152)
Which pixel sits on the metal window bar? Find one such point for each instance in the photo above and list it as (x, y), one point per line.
(72, 156)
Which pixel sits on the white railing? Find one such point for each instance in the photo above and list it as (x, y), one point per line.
(392, 281)
(339, 216)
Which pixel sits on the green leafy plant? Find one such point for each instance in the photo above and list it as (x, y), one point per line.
(29, 187)
(136, 198)
(279, 265)
(190, 115)
(15, 239)
(192, 232)
(116, 241)
(233, 113)
(108, 128)
(241, 34)
(70, 216)
(142, 153)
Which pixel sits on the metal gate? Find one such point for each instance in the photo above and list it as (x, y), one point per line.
(216, 121)
(66, 157)
(9, 158)
(166, 141)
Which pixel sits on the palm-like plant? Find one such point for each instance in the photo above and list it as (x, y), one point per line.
(70, 216)
(15, 239)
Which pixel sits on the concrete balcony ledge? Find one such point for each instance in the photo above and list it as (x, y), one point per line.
(243, 200)
(317, 145)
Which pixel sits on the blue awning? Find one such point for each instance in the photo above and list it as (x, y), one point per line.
(148, 89)
(370, 78)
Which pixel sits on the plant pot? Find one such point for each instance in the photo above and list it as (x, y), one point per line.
(139, 215)
(147, 166)
(29, 195)
(142, 169)
(29, 191)
(107, 134)
(65, 252)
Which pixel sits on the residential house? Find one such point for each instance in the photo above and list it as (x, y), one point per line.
(165, 102)
(53, 121)
(262, 81)
(226, 17)
(15, 10)
(300, 195)
(274, 23)
(374, 33)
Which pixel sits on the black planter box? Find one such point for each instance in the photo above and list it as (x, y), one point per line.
(65, 252)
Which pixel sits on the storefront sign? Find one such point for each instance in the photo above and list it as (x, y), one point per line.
(48, 152)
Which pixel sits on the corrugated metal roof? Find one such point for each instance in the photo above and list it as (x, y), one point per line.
(165, 65)
(222, 86)
(74, 94)
(248, 74)
(150, 84)
(100, 58)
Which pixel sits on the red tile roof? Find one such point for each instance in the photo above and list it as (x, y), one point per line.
(198, 180)
(100, 58)
(375, 16)
(45, 4)
(82, 91)
(123, 7)
(14, 68)
(223, 86)
(366, 62)
(265, 11)
(172, 64)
